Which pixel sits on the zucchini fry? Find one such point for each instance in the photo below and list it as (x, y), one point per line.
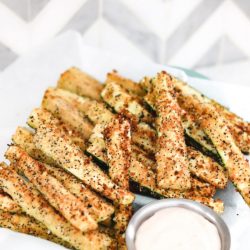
(238, 128)
(142, 178)
(97, 150)
(122, 102)
(68, 114)
(194, 135)
(117, 137)
(131, 86)
(216, 128)
(122, 216)
(72, 208)
(141, 156)
(230, 116)
(7, 204)
(145, 137)
(171, 157)
(25, 224)
(234, 161)
(58, 146)
(79, 82)
(41, 116)
(99, 114)
(97, 207)
(201, 166)
(94, 110)
(23, 138)
(36, 206)
(143, 181)
(206, 168)
(97, 147)
(217, 205)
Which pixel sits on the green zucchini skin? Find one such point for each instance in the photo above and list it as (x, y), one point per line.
(190, 141)
(136, 188)
(103, 165)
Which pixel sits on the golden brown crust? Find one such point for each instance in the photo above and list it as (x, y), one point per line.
(206, 168)
(7, 204)
(94, 110)
(237, 166)
(68, 156)
(239, 128)
(41, 116)
(145, 137)
(72, 208)
(132, 87)
(36, 206)
(67, 114)
(99, 208)
(117, 137)
(23, 223)
(171, 156)
(125, 104)
(24, 139)
(81, 83)
(141, 156)
(122, 216)
(216, 127)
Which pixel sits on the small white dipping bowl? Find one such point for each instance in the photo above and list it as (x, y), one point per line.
(149, 210)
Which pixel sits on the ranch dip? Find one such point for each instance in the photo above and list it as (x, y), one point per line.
(177, 229)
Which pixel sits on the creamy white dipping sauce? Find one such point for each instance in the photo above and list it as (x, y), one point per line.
(177, 229)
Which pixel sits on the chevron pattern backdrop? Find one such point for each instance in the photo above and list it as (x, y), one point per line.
(191, 34)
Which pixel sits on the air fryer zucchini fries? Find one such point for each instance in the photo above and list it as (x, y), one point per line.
(90, 147)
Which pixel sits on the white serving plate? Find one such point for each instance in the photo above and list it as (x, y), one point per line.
(22, 86)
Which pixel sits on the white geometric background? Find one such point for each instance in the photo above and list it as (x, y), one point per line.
(209, 36)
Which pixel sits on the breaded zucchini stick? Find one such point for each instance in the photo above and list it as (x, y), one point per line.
(79, 82)
(131, 86)
(234, 161)
(7, 204)
(141, 156)
(217, 205)
(23, 138)
(141, 174)
(206, 168)
(122, 217)
(94, 110)
(97, 207)
(171, 157)
(145, 137)
(25, 224)
(117, 137)
(216, 127)
(201, 166)
(59, 147)
(239, 129)
(145, 177)
(122, 102)
(42, 116)
(68, 114)
(72, 208)
(33, 204)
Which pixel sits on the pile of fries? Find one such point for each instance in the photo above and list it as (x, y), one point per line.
(73, 173)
